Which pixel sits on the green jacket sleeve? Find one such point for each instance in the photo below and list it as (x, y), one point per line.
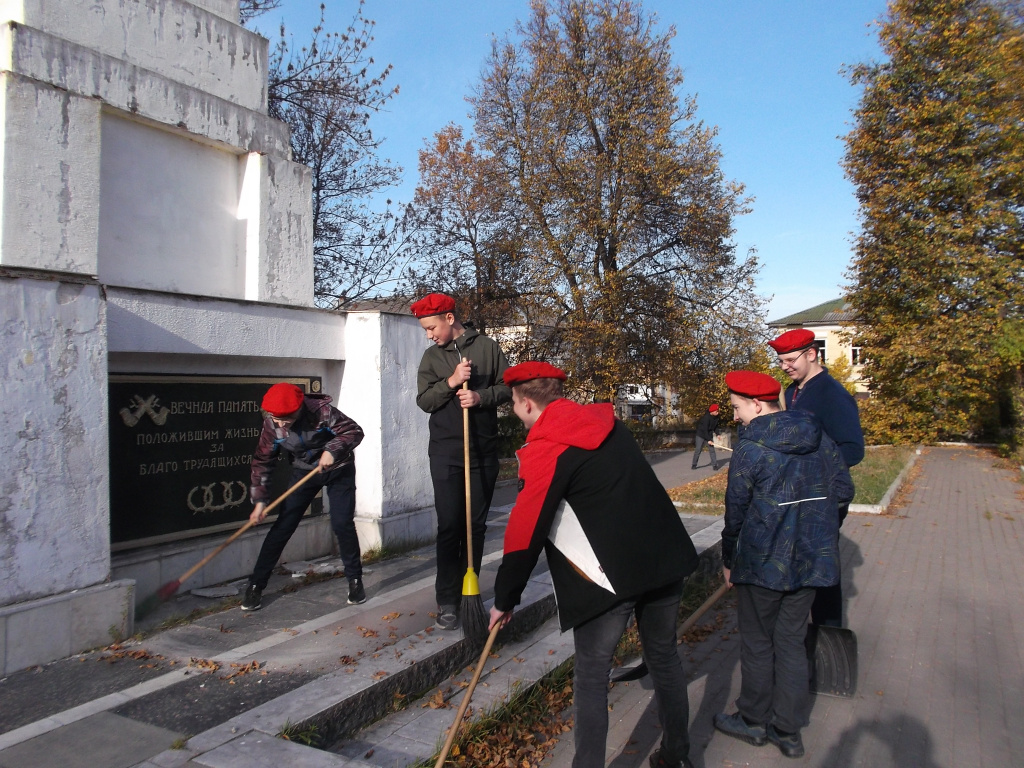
(432, 390)
(497, 393)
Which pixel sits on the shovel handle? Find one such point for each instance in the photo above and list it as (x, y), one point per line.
(694, 617)
(244, 528)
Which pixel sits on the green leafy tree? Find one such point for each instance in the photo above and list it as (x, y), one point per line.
(937, 157)
(608, 194)
(463, 240)
(841, 370)
(327, 91)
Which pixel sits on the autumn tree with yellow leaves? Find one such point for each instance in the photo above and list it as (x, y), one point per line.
(937, 157)
(598, 198)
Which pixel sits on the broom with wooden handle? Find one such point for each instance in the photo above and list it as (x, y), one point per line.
(453, 731)
(166, 592)
(474, 617)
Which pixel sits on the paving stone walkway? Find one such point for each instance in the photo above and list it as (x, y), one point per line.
(935, 597)
(933, 593)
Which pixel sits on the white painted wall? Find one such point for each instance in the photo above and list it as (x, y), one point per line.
(49, 144)
(226, 8)
(164, 324)
(173, 38)
(168, 212)
(54, 500)
(379, 392)
(142, 93)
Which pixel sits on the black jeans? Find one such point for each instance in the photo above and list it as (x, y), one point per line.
(773, 660)
(450, 503)
(595, 642)
(699, 443)
(340, 489)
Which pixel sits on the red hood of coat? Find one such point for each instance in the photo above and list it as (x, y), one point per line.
(569, 423)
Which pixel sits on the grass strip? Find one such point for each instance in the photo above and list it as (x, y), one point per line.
(871, 478)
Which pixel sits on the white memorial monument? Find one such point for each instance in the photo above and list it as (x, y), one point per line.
(156, 273)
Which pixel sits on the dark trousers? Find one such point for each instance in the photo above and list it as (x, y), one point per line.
(340, 489)
(595, 642)
(699, 443)
(827, 610)
(450, 503)
(773, 661)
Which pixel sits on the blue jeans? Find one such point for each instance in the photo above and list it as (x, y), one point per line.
(595, 644)
(340, 488)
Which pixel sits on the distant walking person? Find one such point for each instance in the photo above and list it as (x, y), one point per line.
(707, 428)
(614, 544)
(310, 433)
(780, 542)
(459, 354)
(813, 389)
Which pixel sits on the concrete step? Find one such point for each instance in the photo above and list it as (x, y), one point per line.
(223, 687)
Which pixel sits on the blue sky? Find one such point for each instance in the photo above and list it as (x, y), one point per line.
(765, 72)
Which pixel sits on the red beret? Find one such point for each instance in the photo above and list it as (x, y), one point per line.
(433, 304)
(759, 386)
(517, 374)
(791, 341)
(283, 399)
(713, 407)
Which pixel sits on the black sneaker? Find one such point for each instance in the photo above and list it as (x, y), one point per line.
(447, 617)
(734, 725)
(658, 761)
(356, 593)
(253, 599)
(790, 744)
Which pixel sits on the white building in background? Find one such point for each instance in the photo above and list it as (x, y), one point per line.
(155, 275)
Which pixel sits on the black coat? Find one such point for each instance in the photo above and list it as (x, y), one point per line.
(589, 499)
(707, 426)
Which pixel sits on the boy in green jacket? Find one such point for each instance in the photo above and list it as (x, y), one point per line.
(460, 354)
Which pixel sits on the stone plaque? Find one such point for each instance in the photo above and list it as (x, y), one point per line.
(180, 453)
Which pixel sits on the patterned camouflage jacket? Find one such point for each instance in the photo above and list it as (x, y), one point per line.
(320, 427)
(787, 480)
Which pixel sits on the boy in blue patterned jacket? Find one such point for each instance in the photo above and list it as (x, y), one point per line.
(780, 542)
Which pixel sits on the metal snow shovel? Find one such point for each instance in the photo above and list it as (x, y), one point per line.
(832, 657)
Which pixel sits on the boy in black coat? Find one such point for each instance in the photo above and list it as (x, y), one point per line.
(459, 354)
(706, 429)
(615, 545)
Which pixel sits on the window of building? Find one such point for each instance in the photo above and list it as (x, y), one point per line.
(819, 344)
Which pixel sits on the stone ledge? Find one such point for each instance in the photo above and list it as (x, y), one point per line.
(143, 93)
(54, 627)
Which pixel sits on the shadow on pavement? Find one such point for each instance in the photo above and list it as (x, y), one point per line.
(906, 737)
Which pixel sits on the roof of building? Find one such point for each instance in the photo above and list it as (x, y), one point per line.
(834, 312)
